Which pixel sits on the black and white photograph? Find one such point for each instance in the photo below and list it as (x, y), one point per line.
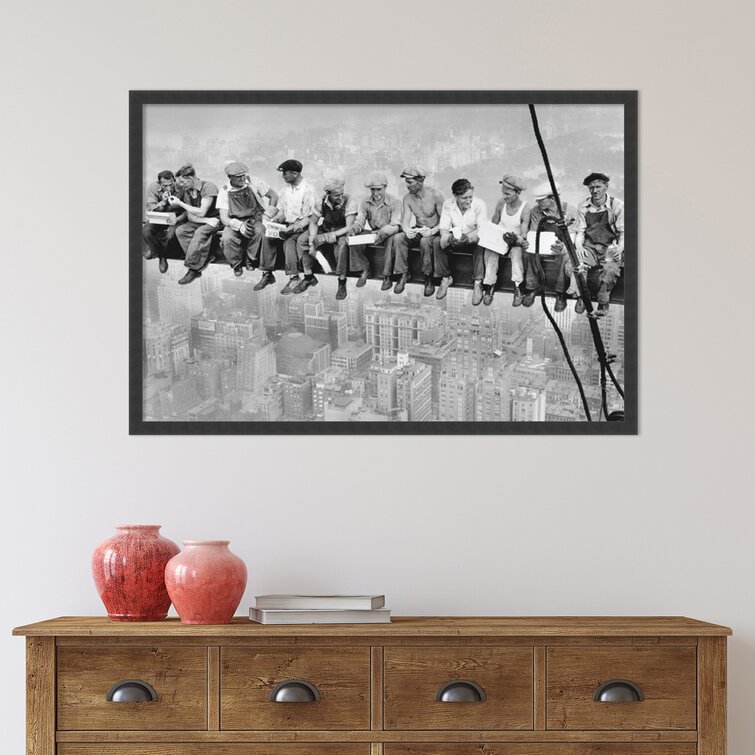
(383, 262)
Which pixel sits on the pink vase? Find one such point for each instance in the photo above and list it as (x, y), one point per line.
(206, 582)
(129, 573)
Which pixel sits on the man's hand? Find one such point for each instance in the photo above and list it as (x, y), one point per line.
(425, 231)
(557, 247)
(174, 201)
(286, 232)
(247, 230)
(171, 220)
(410, 233)
(581, 256)
(270, 212)
(615, 252)
(380, 236)
(354, 230)
(329, 238)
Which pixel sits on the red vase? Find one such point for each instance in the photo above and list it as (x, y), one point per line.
(206, 582)
(129, 572)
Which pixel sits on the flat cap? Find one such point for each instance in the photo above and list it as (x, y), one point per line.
(414, 172)
(513, 182)
(595, 177)
(334, 183)
(290, 165)
(544, 190)
(236, 169)
(376, 181)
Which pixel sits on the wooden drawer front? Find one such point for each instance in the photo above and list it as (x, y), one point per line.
(216, 749)
(413, 676)
(666, 675)
(340, 675)
(177, 674)
(539, 749)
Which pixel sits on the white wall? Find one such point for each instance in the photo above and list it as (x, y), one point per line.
(512, 525)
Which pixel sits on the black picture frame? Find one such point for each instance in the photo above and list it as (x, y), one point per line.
(139, 99)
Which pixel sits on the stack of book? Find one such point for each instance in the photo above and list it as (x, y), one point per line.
(320, 609)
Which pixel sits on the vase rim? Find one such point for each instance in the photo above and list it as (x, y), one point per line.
(191, 543)
(138, 526)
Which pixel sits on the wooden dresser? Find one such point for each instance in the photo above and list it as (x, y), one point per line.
(418, 686)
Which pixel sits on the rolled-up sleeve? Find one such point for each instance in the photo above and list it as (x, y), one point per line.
(445, 218)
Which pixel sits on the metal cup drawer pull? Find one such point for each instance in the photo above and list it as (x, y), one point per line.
(294, 691)
(618, 691)
(131, 691)
(460, 691)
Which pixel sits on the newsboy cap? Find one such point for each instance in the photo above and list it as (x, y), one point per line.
(414, 172)
(236, 169)
(290, 165)
(544, 190)
(334, 183)
(376, 181)
(595, 177)
(513, 182)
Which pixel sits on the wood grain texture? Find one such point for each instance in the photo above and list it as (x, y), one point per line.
(401, 626)
(376, 749)
(341, 676)
(376, 736)
(414, 675)
(541, 749)
(667, 677)
(539, 686)
(376, 688)
(40, 696)
(711, 682)
(215, 749)
(213, 688)
(178, 675)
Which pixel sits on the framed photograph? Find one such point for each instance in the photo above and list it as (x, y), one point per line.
(383, 262)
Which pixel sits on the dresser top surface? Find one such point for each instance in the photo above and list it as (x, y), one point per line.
(400, 626)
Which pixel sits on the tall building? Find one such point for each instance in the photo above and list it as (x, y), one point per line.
(492, 396)
(206, 374)
(456, 402)
(390, 328)
(478, 340)
(271, 405)
(438, 357)
(166, 346)
(385, 376)
(255, 364)
(325, 326)
(244, 295)
(527, 405)
(414, 389)
(298, 354)
(178, 304)
(297, 398)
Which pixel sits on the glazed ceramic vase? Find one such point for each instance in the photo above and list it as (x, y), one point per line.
(129, 573)
(205, 582)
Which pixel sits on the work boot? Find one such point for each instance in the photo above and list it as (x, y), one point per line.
(341, 293)
(517, 297)
(163, 265)
(291, 285)
(560, 303)
(363, 278)
(238, 271)
(307, 281)
(401, 285)
(487, 296)
(189, 277)
(266, 279)
(529, 298)
(429, 286)
(579, 307)
(476, 293)
(387, 283)
(251, 264)
(445, 282)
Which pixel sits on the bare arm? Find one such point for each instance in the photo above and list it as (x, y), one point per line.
(196, 214)
(497, 212)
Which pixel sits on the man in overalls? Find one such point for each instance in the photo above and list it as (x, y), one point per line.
(600, 237)
(338, 212)
(241, 208)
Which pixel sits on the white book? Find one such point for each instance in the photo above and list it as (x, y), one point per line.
(161, 218)
(281, 616)
(322, 602)
(364, 238)
(547, 239)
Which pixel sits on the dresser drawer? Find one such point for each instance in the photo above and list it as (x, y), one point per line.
(413, 678)
(216, 749)
(666, 676)
(539, 749)
(86, 673)
(340, 676)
